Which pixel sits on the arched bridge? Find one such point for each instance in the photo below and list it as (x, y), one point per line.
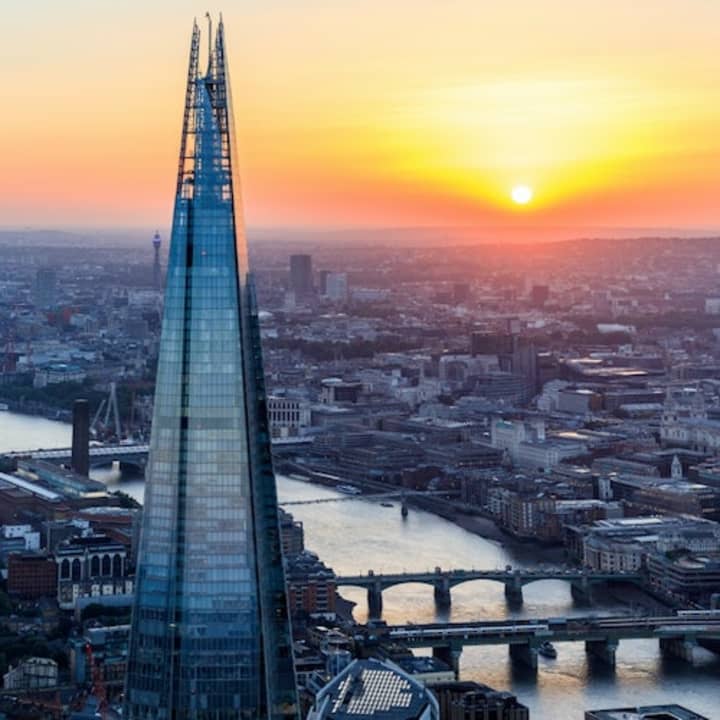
(581, 582)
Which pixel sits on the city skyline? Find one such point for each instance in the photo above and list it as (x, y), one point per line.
(416, 115)
(430, 431)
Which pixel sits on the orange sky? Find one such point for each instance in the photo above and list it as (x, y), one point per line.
(364, 112)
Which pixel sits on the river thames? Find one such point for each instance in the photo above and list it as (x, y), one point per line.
(358, 535)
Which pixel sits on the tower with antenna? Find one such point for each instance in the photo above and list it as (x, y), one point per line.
(157, 272)
(210, 635)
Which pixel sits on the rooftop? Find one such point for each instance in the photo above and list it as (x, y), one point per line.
(372, 689)
(649, 712)
(31, 487)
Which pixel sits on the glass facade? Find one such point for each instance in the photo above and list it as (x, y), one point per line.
(210, 632)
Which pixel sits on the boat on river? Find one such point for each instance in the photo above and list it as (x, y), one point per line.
(349, 489)
(547, 649)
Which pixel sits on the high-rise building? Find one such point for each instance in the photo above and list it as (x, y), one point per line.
(157, 271)
(461, 293)
(301, 277)
(336, 286)
(210, 634)
(323, 276)
(45, 287)
(539, 295)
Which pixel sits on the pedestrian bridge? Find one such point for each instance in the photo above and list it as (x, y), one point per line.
(581, 582)
(678, 636)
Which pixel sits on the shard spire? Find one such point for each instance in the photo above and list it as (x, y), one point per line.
(210, 635)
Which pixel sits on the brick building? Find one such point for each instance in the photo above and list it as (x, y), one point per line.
(31, 576)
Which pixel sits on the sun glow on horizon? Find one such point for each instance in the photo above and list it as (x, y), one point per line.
(617, 129)
(522, 194)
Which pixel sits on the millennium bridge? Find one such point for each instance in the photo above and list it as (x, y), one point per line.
(681, 637)
(581, 582)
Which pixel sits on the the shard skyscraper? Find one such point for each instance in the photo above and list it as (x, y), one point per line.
(210, 632)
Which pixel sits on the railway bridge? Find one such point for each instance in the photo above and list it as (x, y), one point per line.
(678, 636)
(134, 454)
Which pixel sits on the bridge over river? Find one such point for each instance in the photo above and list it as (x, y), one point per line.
(678, 636)
(581, 582)
(129, 454)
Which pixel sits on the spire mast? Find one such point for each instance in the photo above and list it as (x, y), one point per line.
(210, 49)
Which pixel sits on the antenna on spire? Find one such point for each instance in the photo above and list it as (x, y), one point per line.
(209, 19)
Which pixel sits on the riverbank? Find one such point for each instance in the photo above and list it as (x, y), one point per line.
(32, 409)
(476, 524)
(489, 530)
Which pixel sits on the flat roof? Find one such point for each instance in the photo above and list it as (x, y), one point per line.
(31, 487)
(646, 712)
(372, 689)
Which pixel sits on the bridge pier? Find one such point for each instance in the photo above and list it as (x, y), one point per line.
(441, 589)
(514, 592)
(684, 648)
(374, 600)
(449, 655)
(524, 653)
(603, 650)
(581, 592)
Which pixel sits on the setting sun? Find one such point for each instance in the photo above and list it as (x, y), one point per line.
(522, 194)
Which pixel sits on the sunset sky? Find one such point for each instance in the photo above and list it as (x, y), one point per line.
(372, 112)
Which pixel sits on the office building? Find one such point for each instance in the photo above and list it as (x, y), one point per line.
(648, 712)
(103, 649)
(461, 293)
(45, 288)
(539, 295)
(374, 689)
(336, 287)
(292, 534)
(35, 673)
(210, 633)
(322, 281)
(301, 277)
(288, 416)
(692, 577)
(473, 701)
(31, 575)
